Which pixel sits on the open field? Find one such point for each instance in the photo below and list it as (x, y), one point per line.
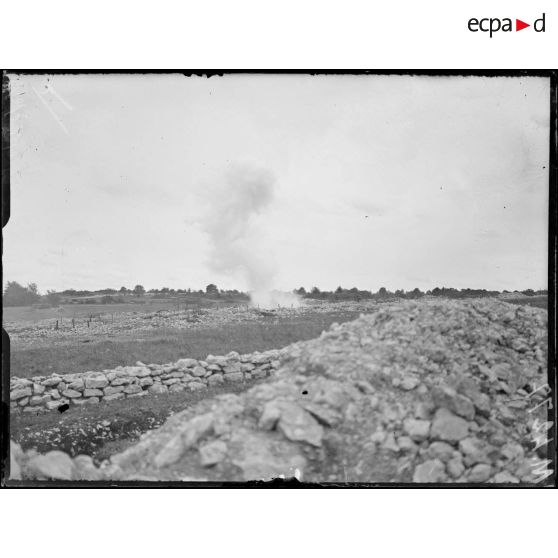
(167, 344)
(30, 314)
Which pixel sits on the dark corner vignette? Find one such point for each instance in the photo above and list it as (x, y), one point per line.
(5, 181)
(552, 407)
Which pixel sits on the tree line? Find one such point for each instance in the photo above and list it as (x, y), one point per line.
(17, 295)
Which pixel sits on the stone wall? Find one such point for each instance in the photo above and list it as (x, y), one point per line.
(47, 393)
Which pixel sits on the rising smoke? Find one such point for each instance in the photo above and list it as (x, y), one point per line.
(234, 224)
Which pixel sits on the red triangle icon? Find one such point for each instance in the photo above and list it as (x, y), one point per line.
(519, 25)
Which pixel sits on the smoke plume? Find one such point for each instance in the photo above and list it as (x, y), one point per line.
(235, 222)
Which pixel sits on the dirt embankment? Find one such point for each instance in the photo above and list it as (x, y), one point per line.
(437, 391)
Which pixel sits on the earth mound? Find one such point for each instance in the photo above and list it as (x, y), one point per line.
(428, 391)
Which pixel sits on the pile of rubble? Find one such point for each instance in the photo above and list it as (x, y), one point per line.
(47, 393)
(430, 391)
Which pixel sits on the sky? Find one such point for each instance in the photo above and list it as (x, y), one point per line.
(352, 181)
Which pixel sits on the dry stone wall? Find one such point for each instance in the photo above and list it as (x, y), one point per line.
(47, 393)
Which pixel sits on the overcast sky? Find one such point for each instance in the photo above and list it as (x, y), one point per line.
(392, 181)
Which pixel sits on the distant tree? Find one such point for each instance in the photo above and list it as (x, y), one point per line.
(382, 292)
(300, 291)
(400, 293)
(138, 290)
(53, 298)
(415, 293)
(339, 290)
(18, 295)
(211, 289)
(528, 292)
(123, 290)
(315, 291)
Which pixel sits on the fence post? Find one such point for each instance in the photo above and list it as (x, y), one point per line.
(56, 327)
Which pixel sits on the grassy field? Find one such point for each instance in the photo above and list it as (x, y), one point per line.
(167, 345)
(30, 314)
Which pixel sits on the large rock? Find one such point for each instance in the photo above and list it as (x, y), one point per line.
(448, 427)
(430, 471)
(96, 380)
(20, 393)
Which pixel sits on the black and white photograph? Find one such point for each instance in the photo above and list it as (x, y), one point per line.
(265, 278)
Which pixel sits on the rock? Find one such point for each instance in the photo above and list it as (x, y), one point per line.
(479, 473)
(110, 390)
(215, 380)
(270, 416)
(185, 363)
(390, 444)
(233, 377)
(212, 453)
(71, 394)
(195, 386)
(38, 389)
(131, 389)
(455, 467)
(323, 414)
(37, 400)
(232, 368)
(141, 372)
(410, 382)
(144, 382)
(260, 459)
(195, 429)
(20, 393)
(430, 471)
(97, 380)
(512, 451)
(171, 381)
(448, 427)
(441, 450)
(53, 465)
(175, 388)
(199, 371)
(406, 444)
(52, 382)
(120, 382)
(158, 389)
(175, 374)
(474, 451)
(298, 425)
(23, 402)
(448, 398)
(93, 393)
(417, 429)
(77, 385)
(171, 452)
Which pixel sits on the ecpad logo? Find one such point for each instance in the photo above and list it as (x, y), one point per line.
(493, 25)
